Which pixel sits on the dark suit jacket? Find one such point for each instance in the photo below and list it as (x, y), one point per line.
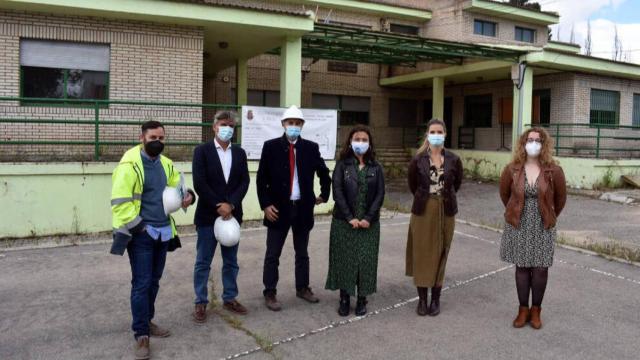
(208, 181)
(273, 180)
(420, 182)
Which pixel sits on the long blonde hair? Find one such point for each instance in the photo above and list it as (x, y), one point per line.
(425, 143)
(546, 153)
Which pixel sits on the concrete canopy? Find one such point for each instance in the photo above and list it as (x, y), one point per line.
(230, 33)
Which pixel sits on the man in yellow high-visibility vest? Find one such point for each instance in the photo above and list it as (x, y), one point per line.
(142, 226)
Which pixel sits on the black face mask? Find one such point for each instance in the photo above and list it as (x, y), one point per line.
(153, 148)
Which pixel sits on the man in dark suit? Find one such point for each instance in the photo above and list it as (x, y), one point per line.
(285, 190)
(221, 179)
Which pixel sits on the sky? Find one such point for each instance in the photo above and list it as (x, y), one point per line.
(604, 15)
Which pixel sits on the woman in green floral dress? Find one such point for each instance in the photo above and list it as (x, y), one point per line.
(358, 192)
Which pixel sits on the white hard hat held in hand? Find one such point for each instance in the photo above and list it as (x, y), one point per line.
(292, 113)
(171, 200)
(227, 232)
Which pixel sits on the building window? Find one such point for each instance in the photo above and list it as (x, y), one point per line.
(542, 106)
(404, 29)
(525, 35)
(605, 107)
(342, 66)
(351, 109)
(64, 70)
(403, 112)
(485, 28)
(478, 110)
(636, 110)
(263, 98)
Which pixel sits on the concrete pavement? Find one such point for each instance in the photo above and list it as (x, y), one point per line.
(72, 303)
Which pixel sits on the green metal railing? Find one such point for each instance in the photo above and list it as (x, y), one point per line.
(98, 114)
(595, 140)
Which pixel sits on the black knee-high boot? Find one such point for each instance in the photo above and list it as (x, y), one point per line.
(361, 306)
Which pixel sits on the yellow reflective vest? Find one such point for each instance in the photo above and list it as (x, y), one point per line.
(126, 194)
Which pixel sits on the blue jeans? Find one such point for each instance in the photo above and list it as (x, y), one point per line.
(206, 248)
(147, 258)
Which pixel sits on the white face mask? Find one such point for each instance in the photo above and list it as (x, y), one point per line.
(533, 148)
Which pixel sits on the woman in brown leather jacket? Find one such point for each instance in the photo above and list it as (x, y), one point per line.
(435, 176)
(533, 191)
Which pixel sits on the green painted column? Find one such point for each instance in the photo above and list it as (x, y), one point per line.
(522, 105)
(438, 98)
(291, 72)
(242, 81)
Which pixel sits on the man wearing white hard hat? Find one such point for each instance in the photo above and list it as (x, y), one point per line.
(221, 179)
(285, 182)
(146, 188)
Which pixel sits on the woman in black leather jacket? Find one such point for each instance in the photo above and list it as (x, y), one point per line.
(358, 192)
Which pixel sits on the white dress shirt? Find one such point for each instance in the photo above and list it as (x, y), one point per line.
(225, 159)
(295, 190)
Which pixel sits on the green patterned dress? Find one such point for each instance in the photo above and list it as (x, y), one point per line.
(353, 253)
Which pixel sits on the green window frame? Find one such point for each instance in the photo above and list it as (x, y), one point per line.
(636, 110)
(605, 108)
(485, 28)
(62, 101)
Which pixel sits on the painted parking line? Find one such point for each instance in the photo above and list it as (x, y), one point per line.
(337, 324)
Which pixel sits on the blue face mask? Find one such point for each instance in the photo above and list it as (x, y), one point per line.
(293, 132)
(225, 133)
(436, 140)
(360, 148)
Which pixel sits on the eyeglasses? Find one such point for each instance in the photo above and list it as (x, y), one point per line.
(530, 141)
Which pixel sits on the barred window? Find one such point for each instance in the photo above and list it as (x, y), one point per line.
(605, 107)
(64, 70)
(636, 110)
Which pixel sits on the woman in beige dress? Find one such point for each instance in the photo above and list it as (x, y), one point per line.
(435, 176)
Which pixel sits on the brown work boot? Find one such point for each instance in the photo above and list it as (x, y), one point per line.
(523, 317)
(200, 313)
(535, 321)
(235, 307)
(272, 303)
(307, 294)
(157, 331)
(141, 350)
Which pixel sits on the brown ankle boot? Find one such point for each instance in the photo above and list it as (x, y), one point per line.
(422, 309)
(536, 322)
(523, 317)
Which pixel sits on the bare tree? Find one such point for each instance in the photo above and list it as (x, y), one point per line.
(618, 51)
(587, 41)
(572, 37)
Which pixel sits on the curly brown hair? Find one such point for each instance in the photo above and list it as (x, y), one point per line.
(546, 153)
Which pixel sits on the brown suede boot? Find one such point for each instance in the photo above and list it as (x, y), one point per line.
(523, 317)
(141, 350)
(536, 322)
(422, 309)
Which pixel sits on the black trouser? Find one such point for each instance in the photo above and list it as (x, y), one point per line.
(275, 242)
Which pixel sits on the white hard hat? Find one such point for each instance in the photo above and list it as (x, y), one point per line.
(227, 232)
(171, 200)
(292, 113)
